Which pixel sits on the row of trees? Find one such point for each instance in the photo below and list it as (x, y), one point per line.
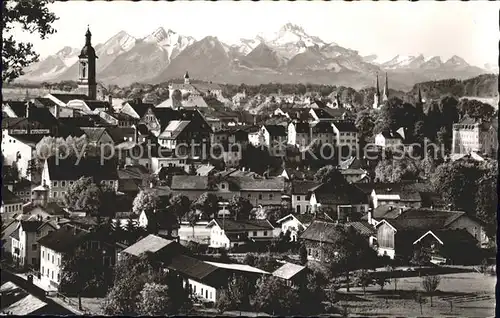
(272, 295)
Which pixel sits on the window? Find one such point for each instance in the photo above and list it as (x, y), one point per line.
(48, 256)
(254, 233)
(270, 196)
(260, 196)
(298, 198)
(63, 183)
(55, 194)
(34, 247)
(33, 260)
(223, 186)
(52, 258)
(52, 276)
(43, 270)
(249, 195)
(265, 233)
(71, 183)
(58, 276)
(43, 254)
(55, 183)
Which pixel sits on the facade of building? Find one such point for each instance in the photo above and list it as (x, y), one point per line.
(470, 135)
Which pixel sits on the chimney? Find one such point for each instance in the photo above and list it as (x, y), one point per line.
(400, 211)
(27, 110)
(390, 208)
(370, 213)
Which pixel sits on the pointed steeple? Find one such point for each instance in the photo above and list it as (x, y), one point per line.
(186, 78)
(385, 96)
(420, 100)
(378, 87)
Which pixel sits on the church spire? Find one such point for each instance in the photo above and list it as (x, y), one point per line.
(378, 87)
(186, 78)
(419, 96)
(88, 36)
(386, 89)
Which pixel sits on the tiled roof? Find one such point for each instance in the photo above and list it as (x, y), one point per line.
(189, 183)
(65, 98)
(93, 134)
(119, 134)
(363, 228)
(196, 269)
(45, 102)
(302, 128)
(67, 169)
(322, 128)
(288, 270)
(321, 231)
(94, 104)
(345, 125)
(8, 197)
(194, 101)
(139, 107)
(174, 129)
(303, 186)
(64, 239)
(18, 107)
(242, 225)
(322, 113)
(205, 87)
(204, 170)
(251, 184)
(150, 243)
(276, 130)
(317, 103)
(351, 163)
(30, 140)
(425, 219)
(347, 195)
(336, 112)
(237, 267)
(25, 306)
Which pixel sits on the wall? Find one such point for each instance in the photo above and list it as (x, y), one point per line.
(475, 229)
(300, 200)
(11, 208)
(50, 265)
(11, 147)
(202, 290)
(218, 238)
(262, 197)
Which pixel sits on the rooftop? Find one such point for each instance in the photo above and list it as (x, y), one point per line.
(288, 270)
(150, 243)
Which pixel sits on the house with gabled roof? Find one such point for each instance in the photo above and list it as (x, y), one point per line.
(295, 224)
(342, 203)
(300, 195)
(97, 136)
(11, 203)
(60, 174)
(64, 99)
(135, 108)
(14, 109)
(293, 274)
(389, 139)
(25, 249)
(229, 233)
(274, 137)
(353, 171)
(396, 233)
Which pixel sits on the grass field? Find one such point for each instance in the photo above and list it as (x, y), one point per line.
(470, 295)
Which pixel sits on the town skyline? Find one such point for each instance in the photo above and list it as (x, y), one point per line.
(402, 34)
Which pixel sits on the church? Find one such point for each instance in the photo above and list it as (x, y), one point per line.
(380, 100)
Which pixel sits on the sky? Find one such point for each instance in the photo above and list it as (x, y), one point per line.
(467, 29)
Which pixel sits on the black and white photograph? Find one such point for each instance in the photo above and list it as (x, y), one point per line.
(249, 158)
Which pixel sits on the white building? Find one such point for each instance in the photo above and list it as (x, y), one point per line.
(25, 249)
(389, 139)
(230, 233)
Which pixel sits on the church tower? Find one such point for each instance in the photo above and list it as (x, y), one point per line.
(385, 96)
(376, 96)
(87, 65)
(186, 78)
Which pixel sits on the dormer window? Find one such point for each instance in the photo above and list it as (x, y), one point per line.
(223, 186)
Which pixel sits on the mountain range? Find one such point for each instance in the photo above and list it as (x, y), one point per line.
(290, 55)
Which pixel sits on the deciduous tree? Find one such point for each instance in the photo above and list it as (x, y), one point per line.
(31, 16)
(430, 284)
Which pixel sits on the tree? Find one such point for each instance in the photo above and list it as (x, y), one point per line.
(417, 296)
(224, 301)
(363, 278)
(266, 300)
(487, 199)
(312, 293)
(365, 124)
(192, 218)
(250, 259)
(396, 170)
(155, 300)
(476, 109)
(420, 257)
(240, 207)
(381, 281)
(91, 280)
(208, 204)
(391, 269)
(95, 199)
(430, 284)
(330, 176)
(303, 254)
(31, 16)
(145, 201)
(346, 250)
(179, 205)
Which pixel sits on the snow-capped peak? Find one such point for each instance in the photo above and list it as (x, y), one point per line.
(68, 55)
(292, 27)
(170, 41)
(246, 46)
(456, 61)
